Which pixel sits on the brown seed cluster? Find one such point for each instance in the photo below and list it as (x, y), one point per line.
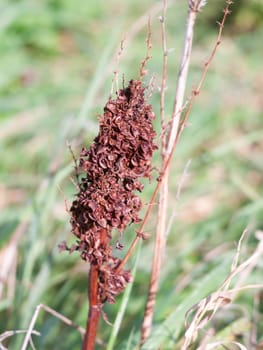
(107, 200)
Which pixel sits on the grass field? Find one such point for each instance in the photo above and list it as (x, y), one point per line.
(57, 62)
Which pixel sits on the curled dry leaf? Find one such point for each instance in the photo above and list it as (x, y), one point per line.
(205, 310)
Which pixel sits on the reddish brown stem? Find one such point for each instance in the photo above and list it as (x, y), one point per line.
(94, 303)
(94, 310)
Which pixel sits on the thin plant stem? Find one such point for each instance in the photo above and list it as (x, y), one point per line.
(8, 334)
(94, 310)
(163, 198)
(188, 108)
(148, 49)
(163, 202)
(56, 314)
(165, 62)
(115, 80)
(94, 302)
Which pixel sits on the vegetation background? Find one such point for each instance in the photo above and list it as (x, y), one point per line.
(57, 63)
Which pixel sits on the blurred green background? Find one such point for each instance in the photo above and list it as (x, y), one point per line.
(57, 59)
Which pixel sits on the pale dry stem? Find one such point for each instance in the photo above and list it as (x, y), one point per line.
(205, 310)
(115, 79)
(56, 314)
(143, 70)
(161, 221)
(9, 334)
(164, 73)
(160, 240)
(182, 79)
(182, 125)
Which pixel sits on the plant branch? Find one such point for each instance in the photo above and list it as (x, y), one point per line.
(163, 201)
(164, 73)
(56, 314)
(188, 108)
(143, 70)
(160, 240)
(182, 79)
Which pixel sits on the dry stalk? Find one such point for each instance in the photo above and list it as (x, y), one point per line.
(188, 108)
(9, 334)
(115, 79)
(162, 208)
(167, 145)
(165, 63)
(56, 314)
(143, 70)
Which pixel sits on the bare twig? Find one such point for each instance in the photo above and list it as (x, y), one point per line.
(143, 71)
(115, 79)
(182, 125)
(161, 221)
(8, 334)
(182, 77)
(164, 73)
(166, 148)
(56, 314)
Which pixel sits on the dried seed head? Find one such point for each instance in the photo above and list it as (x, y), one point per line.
(118, 157)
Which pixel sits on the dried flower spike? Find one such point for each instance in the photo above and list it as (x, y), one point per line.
(111, 168)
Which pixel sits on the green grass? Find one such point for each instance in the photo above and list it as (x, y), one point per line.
(56, 71)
